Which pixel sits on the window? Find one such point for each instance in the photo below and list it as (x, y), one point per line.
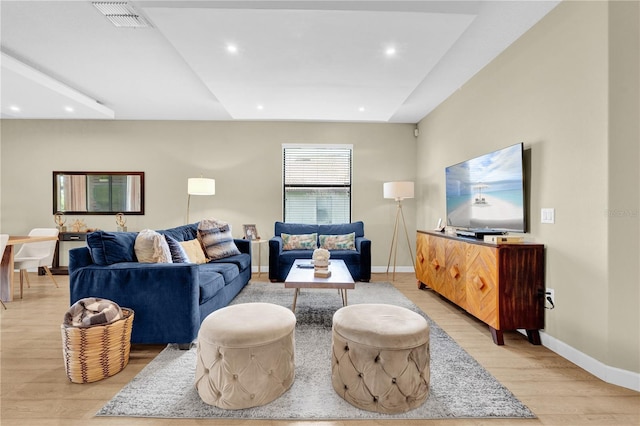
(317, 183)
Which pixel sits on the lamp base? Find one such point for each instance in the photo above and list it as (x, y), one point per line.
(394, 241)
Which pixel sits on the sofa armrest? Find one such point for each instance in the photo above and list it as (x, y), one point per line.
(275, 250)
(79, 258)
(363, 246)
(164, 296)
(243, 245)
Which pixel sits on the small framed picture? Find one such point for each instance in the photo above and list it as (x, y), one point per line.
(250, 232)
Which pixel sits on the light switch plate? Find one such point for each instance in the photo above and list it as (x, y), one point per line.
(547, 215)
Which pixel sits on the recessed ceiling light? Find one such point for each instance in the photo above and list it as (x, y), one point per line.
(361, 109)
(69, 109)
(390, 51)
(232, 48)
(14, 108)
(260, 107)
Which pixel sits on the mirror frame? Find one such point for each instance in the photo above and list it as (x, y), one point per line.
(71, 212)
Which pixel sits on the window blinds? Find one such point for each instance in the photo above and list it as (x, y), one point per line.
(317, 184)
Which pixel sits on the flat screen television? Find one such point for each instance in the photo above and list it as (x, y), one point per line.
(487, 192)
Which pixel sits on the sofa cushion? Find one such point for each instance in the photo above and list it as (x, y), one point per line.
(342, 228)
(178, 255)
(295, 228)
(349, 256)
(242, 261)
(194, 251)
(216, 239)
(299, 241)
(182, 233)
(151, 247)
(338, 242)
(289, 256)
(229, 271)
(108, 248)
(210, 282)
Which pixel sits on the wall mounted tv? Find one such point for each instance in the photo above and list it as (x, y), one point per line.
(487, 192)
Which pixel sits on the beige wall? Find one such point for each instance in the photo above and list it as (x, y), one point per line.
(243, 157)
(624, 180)
(550, 90)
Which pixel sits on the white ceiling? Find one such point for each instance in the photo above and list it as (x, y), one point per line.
(295, 60)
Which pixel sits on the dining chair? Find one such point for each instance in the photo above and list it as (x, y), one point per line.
(36, 255)
(3, 244)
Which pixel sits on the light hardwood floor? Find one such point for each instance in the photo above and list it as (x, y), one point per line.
(35, 389)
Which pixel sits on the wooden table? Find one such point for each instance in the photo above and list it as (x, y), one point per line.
(299, 278)
(6, 267)
(56, 269)
(258, 244)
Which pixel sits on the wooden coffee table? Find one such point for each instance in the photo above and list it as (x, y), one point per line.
(299, 278)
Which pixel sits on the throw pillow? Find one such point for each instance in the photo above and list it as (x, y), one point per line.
(299, 242)
(178, 255)
(194, 251)
(107, 248)
(338, 242)
(216, 239)
(151, 247)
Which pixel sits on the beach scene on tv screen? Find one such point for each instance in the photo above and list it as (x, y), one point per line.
(487, 192)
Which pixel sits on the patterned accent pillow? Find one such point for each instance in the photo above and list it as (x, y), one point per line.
(338, 242)
(194, 251)
(151, 247)
(178, 255)
(216, 239)
(299, 242)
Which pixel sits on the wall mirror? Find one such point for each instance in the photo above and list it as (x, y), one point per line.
(98, 192)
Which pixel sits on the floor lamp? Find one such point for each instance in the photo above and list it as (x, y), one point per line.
(199, 186)
(398, 191)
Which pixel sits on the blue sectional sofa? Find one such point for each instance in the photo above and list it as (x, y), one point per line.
(358, 261)
(170, 300)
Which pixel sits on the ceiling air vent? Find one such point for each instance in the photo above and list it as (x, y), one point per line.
(121, 14)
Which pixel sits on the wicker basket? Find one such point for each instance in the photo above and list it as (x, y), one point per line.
(97, 352)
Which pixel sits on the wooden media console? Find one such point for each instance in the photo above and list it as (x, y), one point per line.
(501, 285)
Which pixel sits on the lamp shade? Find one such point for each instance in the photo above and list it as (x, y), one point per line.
(398, 190)
(201, 186)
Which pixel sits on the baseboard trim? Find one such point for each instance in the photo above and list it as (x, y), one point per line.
(383, 269)
(615, 376)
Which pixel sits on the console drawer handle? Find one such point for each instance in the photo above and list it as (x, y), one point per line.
(454, 271)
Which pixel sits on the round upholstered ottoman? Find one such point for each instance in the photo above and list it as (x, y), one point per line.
(245, 355)
(380, 358)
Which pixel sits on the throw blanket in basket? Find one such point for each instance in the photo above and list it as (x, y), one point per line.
(92, 311)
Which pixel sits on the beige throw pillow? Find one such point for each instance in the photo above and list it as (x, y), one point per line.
(151, 247)
(194, 251)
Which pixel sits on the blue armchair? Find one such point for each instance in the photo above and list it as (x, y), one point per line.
(358, 261)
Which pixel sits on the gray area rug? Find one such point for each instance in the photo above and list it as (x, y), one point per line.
(460, 387)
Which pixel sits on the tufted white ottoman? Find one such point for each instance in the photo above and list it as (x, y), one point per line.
(380, 358)
(245, 355)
